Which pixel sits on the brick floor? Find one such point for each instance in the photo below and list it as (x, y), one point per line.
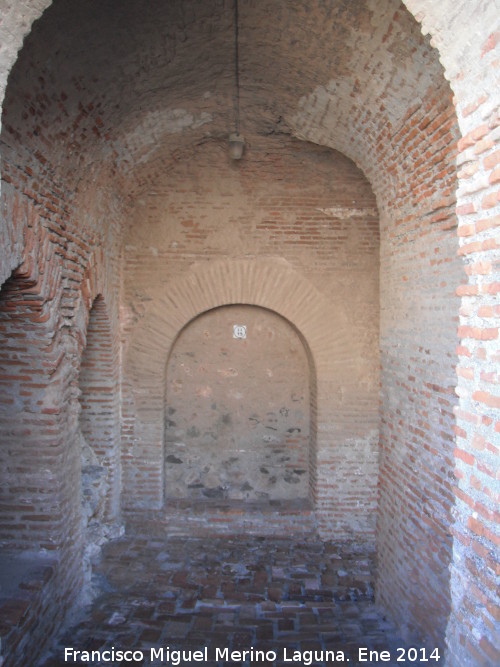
(231, 592)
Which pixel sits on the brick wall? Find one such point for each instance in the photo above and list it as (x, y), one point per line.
(408, 151)
(473, 628)
(57, 267)
(37, 511)
(471, 63)
(418, 328)
(99, 402)
(71, 154)
(30, 416)
(292, 241)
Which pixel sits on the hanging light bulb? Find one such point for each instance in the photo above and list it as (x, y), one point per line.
(236, 140)
(236, 146)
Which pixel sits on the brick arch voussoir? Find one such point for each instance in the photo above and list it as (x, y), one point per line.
(322, 322)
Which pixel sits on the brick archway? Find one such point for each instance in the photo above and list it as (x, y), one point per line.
(336, 396)
(470, 66)
(30, 424)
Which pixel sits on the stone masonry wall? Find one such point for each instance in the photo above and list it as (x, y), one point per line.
(237, 412)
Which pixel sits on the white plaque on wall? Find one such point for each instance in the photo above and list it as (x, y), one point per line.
(239, 331)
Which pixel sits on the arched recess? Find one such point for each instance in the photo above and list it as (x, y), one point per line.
(33, 433)
(99, 424)
(346, 412)
(237, 409)
(30, 443)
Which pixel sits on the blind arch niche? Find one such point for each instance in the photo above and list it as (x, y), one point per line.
(237, 408)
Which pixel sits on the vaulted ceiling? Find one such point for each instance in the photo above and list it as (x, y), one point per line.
(124, 90)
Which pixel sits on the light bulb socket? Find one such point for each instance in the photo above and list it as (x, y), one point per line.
(236, 146)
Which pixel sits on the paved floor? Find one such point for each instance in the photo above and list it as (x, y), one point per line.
(294, 599)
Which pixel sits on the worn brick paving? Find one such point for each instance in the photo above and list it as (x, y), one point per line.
(233, 592)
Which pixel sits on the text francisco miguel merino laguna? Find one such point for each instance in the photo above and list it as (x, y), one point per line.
(177, 657)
